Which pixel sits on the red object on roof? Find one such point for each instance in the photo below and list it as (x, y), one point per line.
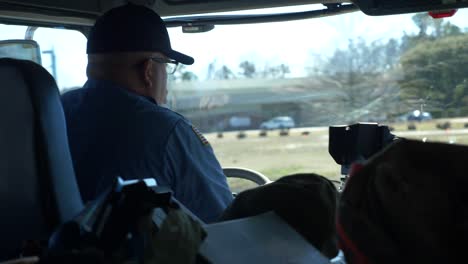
(442, 13)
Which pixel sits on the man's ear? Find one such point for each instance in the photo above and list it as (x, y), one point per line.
(147, 72)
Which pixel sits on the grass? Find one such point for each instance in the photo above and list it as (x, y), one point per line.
(276, 156)
(456, 123)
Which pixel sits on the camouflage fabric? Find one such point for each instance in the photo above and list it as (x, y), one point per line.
(177, 240)
(406, 205)
(307, 202)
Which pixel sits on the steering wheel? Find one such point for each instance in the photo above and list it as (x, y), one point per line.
(243, 173)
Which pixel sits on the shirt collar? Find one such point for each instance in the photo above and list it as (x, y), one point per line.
(95, 82)
(151, 99)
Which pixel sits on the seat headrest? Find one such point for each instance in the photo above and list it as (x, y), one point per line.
(38, 188)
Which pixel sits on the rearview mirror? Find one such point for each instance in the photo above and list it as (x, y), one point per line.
(23, 49)
(389, 7)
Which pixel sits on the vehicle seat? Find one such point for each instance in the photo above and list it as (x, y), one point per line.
(38, 189)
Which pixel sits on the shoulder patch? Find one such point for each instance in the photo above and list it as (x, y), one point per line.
(200, 136)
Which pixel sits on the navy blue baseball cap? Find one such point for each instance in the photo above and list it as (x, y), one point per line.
(132, 28)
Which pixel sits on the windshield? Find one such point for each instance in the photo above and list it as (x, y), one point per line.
(250, 81)
(265, 94)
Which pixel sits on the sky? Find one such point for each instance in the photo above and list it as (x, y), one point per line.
(298, 44)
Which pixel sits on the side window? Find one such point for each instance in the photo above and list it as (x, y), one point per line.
(62, 51)
(63, 55)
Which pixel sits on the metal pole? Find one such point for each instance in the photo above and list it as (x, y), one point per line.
(53, 62)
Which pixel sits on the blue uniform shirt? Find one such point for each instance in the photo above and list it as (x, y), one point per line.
(113, 132)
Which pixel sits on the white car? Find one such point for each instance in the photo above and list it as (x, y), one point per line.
(415, 115)
(279, 122)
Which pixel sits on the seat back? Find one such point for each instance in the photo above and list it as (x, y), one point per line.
(38, 189)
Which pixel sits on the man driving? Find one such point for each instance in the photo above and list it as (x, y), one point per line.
(118, 127)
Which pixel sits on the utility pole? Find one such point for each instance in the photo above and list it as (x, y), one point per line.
(53, 62)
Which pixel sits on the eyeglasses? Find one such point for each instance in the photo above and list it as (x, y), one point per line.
(171, 65)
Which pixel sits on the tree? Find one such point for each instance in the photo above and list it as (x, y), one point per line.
(211, 70)
(358, 71)
(248, 69)
(364, 58)
(224, 73)
(188, 76)
(437, 71)
(392, 51)
(432, 73)
(423, 21)
(283, 70)
(429, 30)
(277, 71)
(183, 74)
(434, 28)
